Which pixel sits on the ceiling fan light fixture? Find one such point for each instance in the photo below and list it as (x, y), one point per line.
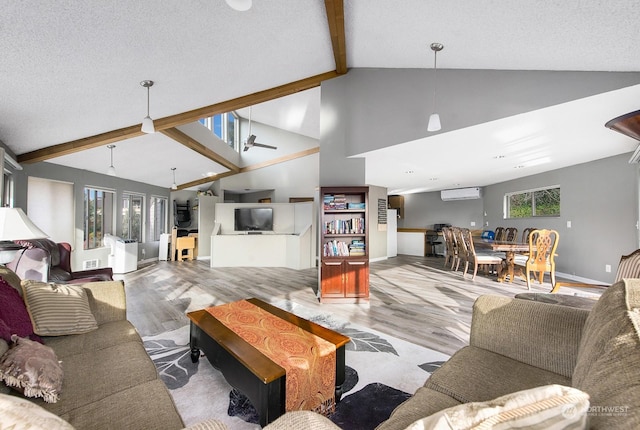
(111, 171)
(240, 5)
(147, 122)
(434, 119)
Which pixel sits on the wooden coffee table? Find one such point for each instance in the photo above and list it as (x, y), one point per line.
(247, 369)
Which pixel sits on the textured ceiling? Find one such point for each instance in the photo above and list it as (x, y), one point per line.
(71, 69)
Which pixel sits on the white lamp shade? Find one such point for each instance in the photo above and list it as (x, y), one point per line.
(239, 5)
(111, 171)
(15, 225)
(434, 122)
(147, 125)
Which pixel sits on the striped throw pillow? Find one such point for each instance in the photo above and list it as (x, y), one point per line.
(542, 408)
(58, 309)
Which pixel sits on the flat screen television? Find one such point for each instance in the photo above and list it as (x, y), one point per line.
(253, 219)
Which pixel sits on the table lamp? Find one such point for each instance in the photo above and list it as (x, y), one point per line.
(15, 225)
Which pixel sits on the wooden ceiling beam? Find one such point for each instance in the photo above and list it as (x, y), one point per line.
(335, 19)
(175, 120)
(256, 166)
(198, 147)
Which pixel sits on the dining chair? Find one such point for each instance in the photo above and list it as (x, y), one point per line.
(499, 233)
(525, 234)
(541, 257)
(450, 253)
(510, 234)
(473, 257)
(629, 267)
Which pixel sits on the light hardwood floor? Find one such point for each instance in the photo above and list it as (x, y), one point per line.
(412, 298)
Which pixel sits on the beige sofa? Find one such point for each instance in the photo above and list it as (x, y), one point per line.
(109, 379)
(518, 345)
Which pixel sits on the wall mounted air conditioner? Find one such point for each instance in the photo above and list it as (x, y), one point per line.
(461, 194)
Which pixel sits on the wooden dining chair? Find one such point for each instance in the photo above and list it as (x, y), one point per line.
(510, 234)
(450, 253)
(500, 232)
(629, 267)
(525, 234)
(541, 257)
(476, 258)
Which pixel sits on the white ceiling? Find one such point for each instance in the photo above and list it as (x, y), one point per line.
(71, 69)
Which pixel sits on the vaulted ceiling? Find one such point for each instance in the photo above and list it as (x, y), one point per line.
(71, 70)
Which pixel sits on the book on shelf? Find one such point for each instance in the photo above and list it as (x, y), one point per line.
(356, 248)
(335, 248)
(344, 226)
(335, 201)
(356, 205)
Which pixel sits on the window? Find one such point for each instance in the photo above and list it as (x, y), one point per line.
(533, 203)
(224, 126)
(132, 210)
(158, 211)
(98, 216)
(7, 189)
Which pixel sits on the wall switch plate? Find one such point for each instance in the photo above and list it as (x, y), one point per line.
(607, 268)
(568, 224)
(473, 223)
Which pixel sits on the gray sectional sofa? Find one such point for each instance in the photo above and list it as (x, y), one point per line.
(519, 345)
(109, 379)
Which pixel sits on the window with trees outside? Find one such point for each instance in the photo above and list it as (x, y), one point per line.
(98, 216)
(158, 215)
(541, 202)
(132, 210)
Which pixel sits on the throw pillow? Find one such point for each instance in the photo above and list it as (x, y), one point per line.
(18, 413)
(33, 369)
(13, 314)
(58, 309)
(550, 406)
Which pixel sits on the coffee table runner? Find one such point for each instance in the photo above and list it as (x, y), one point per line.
(309, 361)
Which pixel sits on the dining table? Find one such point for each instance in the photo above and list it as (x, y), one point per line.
(510, 249)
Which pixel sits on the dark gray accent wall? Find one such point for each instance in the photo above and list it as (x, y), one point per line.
(369, 109)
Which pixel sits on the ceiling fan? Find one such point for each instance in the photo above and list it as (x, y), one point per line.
(251, 141)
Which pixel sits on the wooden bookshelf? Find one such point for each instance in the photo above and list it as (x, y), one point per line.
(344, 248)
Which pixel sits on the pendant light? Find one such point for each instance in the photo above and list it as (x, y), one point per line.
(434, 118)
(147, 122)
(174, 186)
(239, 5)
(111, 171)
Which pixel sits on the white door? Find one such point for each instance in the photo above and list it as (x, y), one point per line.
(50, 206)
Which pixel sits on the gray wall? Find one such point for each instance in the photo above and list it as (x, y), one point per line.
(81, 179)
(423, 210)
(369, 109)
(600, 199)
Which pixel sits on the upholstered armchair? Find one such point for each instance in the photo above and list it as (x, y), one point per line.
(47, 261)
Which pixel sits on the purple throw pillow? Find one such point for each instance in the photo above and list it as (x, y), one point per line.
(13, 312)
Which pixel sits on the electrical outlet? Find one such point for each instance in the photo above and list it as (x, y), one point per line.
(607, 268)
(473, 223)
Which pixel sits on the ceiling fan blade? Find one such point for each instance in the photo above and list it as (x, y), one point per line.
(250, 142)
(262, 145)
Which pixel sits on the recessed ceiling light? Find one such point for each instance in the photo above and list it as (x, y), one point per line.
(208, 174)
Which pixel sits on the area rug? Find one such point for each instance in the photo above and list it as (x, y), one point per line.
(382, 372)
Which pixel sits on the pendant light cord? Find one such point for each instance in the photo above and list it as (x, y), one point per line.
(435, 77)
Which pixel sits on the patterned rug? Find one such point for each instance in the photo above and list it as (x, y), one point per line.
(382, 372)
